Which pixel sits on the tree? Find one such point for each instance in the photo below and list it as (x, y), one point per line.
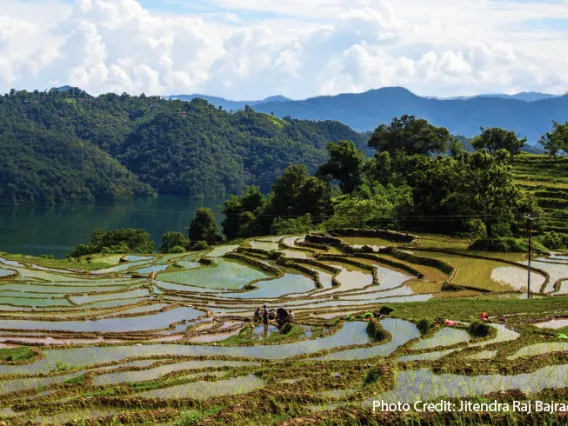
(355, 212)
(241, 214)
(486, 190)
(121, 241)
(298, 225)
(345, 164)
(203, 227)
(557, 140)
(295, 193)
(314, 198)
(382, 169)
(456, 148)
(493, 139)
(411, 135)
(285, 190)
(434, 183)
(173, 239)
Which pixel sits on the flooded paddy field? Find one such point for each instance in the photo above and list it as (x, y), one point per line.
(154, 339)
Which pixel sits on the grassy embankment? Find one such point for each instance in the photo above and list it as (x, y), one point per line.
(16, 354)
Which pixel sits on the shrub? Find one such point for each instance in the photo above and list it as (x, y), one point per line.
(273, 255)
(176, 249)
(373, 376)
(516, 245)
(61, 366)
(476, 229)
(188, 418)
(554, 240)
(478, 329)
(376, 331)
(203, 227)
(299, 225)
(200, 245)
(81, 250)
(424, 326)
(117, 241)
(171, 240)
(385, 310)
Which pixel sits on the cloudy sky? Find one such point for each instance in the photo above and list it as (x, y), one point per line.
(250, 49)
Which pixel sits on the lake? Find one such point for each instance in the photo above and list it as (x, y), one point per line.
(56, 230)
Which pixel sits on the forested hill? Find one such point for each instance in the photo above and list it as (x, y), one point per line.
(61, 146)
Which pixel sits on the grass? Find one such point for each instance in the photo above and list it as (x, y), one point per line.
(81, 264)
(16, 354)
(193, 416)
(471, 272)
(433, 241)
(369, 241)
(246, 337)
(277, 121)
(470, 308)
(295, 333)
(76, 380)
(243, 338)
(61, 366)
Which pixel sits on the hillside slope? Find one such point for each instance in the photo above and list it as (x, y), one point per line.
(68, 146)
(46, 165)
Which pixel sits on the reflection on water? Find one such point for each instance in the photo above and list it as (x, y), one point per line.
(57, 229)
(204, 390)
(424, 385)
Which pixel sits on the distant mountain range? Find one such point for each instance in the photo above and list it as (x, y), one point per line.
(227, 104)
(530, 114)
(523, 96)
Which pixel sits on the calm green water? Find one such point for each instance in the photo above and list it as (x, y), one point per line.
(57, 229)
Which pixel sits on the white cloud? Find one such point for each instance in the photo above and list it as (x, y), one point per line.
(251, 49)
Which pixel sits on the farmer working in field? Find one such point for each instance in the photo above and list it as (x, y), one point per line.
(281, 316)
(257, 317)
(265, 316)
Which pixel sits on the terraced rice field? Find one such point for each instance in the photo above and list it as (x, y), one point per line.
(156, 339)
(547, 179)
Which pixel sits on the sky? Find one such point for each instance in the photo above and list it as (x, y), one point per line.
(252, 49)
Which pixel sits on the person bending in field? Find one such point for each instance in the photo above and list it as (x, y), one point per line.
(281, 316)
(291, 317)
(257, 317)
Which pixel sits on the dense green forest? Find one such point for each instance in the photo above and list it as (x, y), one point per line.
(66, 146)
(420, 179)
